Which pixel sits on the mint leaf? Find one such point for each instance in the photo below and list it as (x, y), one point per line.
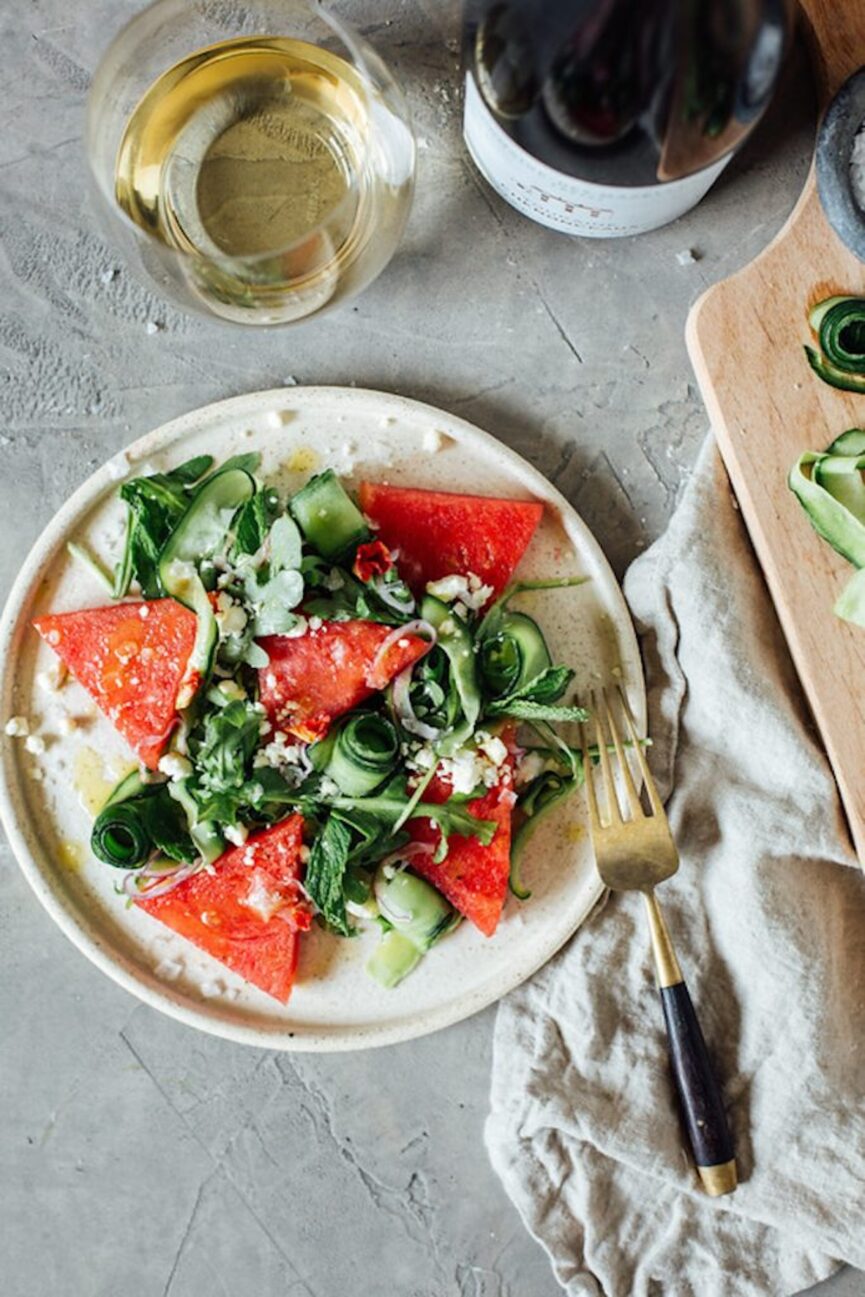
(326, 870)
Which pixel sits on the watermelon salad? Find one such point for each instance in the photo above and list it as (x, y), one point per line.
(340, 714)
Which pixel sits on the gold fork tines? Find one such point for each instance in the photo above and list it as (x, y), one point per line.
(636, 851)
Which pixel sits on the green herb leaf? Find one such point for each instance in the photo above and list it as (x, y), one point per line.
(536, 700)
(523, 709)
(254, 521)
(155, 506)
(325, 872)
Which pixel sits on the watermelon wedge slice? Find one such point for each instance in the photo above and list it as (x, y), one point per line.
(313, 678)
(474, 878)
(249, 912)
(438, 533)
(131, 658)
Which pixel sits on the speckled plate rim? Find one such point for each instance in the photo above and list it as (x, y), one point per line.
(14, 814)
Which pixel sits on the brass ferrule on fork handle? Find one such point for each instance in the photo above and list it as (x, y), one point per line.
(666, 964)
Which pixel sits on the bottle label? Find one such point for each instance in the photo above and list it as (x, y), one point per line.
(565, 202)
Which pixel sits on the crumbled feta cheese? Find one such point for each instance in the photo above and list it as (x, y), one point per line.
(236, 834)
(17, 727)
(212, 990)
(686, 257)
(334, 580)
(186, 693)
(144, 611)
(329, 787)
(465, 770)
(230, 616)
(35, 743)
(494, 749)
(231, 690)
(315, 623)
(528, 768)
(54, 677)
(448, 587)
(433, 440)
(175, 766)
(468, 591)
(264, 900)
(168, 969)
(298, 629)
(423, 758)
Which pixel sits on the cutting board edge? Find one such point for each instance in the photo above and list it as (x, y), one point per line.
(855, 819)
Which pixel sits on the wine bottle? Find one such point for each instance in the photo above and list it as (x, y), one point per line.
(613, 117)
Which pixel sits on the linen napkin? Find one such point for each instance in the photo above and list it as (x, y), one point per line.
(768, 916)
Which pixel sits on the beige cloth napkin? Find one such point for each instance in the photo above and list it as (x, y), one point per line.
(768, 915)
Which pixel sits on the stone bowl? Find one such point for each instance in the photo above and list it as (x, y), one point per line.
(844, 117)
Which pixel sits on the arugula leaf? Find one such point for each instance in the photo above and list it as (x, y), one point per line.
(168, 827)
(325, 871)
(222, 747)
(387, 807)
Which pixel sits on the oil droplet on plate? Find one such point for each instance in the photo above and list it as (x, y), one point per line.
(71, 854)
(93, 778)
(302, 460)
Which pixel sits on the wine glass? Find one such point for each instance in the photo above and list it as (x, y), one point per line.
(255, 159)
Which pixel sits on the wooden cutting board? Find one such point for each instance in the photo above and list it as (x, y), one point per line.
(745, 338)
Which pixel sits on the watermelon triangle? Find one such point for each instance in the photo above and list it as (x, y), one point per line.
(313, 678)
(438, 533)
(131, 658)
(249, 911)
(474, 878)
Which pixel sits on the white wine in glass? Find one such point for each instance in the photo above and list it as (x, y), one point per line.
(265, 177)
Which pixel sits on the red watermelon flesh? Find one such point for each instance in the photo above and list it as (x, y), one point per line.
(315, 677)
(474, 878)
(438, 533)
(131, 658)
(249, 912)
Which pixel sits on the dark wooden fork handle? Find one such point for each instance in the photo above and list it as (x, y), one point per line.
(702, 1108)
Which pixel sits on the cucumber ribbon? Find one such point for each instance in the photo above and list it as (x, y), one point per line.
(363, 751)
(831, 490)
(839, 323)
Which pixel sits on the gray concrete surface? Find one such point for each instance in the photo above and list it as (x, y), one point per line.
(143, 1159)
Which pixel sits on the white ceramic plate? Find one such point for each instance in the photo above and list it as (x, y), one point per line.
(334, 1005)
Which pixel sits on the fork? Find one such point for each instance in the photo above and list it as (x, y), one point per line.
(634, 854)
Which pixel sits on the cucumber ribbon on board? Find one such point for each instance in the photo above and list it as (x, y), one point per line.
(831, 490)
(839, 323)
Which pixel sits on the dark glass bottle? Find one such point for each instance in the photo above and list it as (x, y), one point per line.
(611, 117)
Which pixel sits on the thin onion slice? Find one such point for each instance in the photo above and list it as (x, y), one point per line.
(417, 627)
(157, 882)
(405, 712)
(387, 596)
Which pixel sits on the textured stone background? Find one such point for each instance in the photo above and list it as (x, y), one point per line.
(144, 1159)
